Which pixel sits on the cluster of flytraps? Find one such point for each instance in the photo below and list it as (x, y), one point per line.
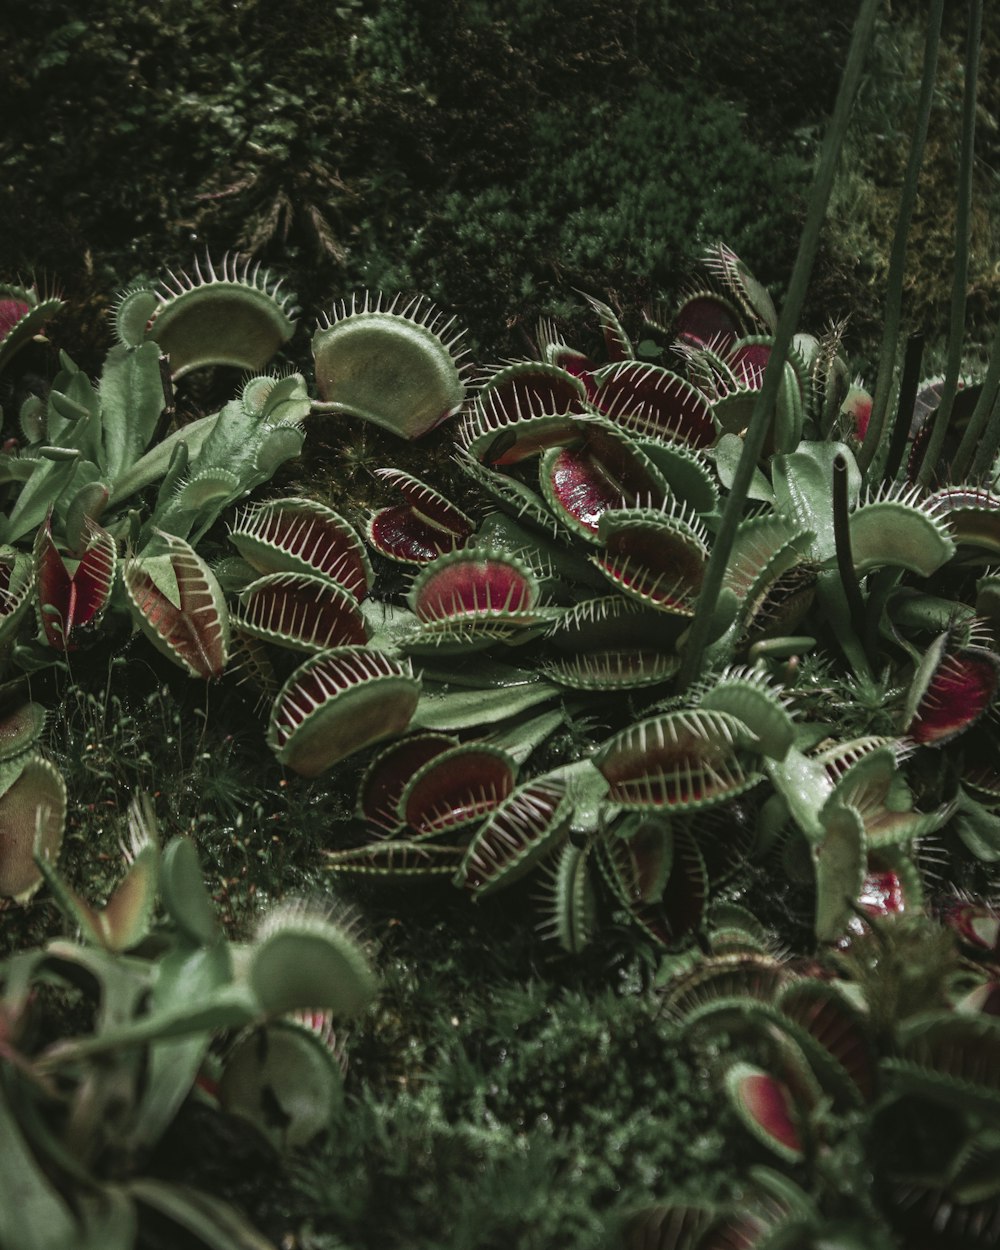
(580, 584)
(604, 485)
(111, 507)
(839, 1077)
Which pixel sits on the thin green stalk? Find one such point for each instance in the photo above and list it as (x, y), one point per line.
(992, 440)
(963, 213)
(881, 584)
(908, 385)
(979, 437)
(872, 449)
(845, 563)
(760, 421)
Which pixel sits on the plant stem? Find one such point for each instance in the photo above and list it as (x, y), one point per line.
(985, 406)
(845, 564)
(760, 421)
(908, 385)
(872, 449)
(961, 272)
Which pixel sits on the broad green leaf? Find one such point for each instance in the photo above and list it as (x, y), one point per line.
(803, 489)
(231, 1007)
(727, 454)
(154, 464)
(184, 895)
(442, 708)
(32, 1214)
(73, 411)
(131, 402)
(215, 1223)
(51, 480)
(186, 975)
(110, 1221)
(805, 787)
(840, 859)
(978, 827)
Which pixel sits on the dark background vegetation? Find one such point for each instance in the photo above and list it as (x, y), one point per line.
(497, 157)
(494, 156)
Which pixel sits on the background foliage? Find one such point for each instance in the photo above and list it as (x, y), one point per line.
(492, 156)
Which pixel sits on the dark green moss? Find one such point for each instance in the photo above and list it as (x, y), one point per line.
(492, 155)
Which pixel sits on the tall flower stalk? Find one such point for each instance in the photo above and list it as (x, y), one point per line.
(753, 443)
(875, 449)
(963, 213)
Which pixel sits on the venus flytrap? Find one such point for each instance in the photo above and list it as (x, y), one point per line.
(164, 990)
(613, 483)
(824, 1075)
(24, 312)
(698, 641)
(619, 557)
(89, 450)
(398, 367)
(625, 479)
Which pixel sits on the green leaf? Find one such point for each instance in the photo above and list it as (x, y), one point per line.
(50, 481)
(805, 787)
(73, 406)
(522, 737)
(442, 708)
(978, 827)
(174, 474)
(727, 454)
(840, 868)
(231, 1007)
(32, 1214)
(587, 790)
(184, 976)
(803, 489)
(154, 464)
(231, 443)
(131, 402)
(110, 1221)
(182, 889)
(215, 1223)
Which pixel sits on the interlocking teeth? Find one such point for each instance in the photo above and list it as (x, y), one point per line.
(682, 760)
(337, 703)
(234, 269)
(518, 833)
(301, 536)
(418, 310)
